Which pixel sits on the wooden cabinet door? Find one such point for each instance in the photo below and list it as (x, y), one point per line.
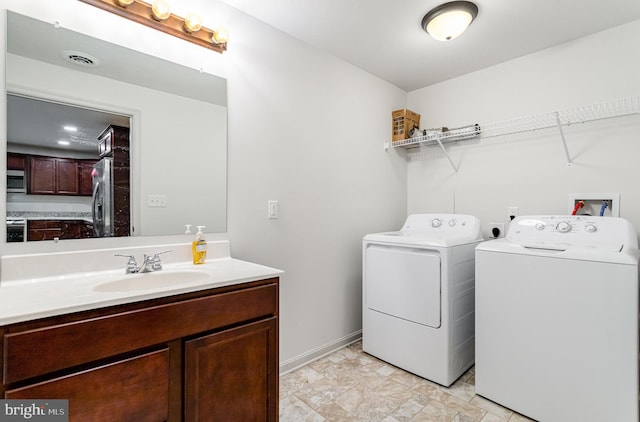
(44, 229)
(42, 175)
(86, 180)
(67, 176)
(105, 145)
(233, 375)
(136, 389)
(16, 161)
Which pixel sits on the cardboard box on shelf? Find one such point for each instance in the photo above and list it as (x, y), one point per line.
(402, 122)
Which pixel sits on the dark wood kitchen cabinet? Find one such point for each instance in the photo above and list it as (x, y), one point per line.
(42, 176)
(114, 142)
(58, 229)
(67, 177)
(16, 161)
(85, 167)
(59, 176)
(199, 356)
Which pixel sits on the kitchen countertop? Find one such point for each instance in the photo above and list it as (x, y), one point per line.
(34, 215)
(29, 299)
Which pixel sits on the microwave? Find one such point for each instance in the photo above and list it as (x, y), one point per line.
(16, 181)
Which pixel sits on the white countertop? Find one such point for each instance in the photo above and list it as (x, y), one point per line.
(38, 297)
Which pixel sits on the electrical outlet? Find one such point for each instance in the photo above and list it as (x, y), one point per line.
(512, 212)
(157, 200)
(496, 230)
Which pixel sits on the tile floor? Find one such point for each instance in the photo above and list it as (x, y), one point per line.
(349, 385)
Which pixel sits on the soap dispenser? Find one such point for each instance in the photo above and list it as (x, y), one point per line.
(199, 247)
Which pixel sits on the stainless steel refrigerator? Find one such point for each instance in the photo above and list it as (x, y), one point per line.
(102, 208)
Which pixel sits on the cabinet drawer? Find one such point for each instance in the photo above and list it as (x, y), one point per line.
(135, 389)
(79, 342)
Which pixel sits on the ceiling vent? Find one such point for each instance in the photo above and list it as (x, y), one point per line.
(80, 58)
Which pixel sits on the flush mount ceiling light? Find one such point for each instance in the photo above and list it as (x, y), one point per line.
(449, 20)
(157, 15)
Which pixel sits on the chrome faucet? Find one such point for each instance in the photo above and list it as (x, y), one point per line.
(150, 263)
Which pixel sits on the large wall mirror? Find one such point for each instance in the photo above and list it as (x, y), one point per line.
(75, 102)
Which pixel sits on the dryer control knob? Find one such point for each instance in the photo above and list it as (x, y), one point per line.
(436, 222)
(563, 227)
(452, 223)
(591, 228)
(539, 226)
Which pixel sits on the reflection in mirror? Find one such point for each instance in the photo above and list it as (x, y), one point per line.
(176, 118)
(69, 169)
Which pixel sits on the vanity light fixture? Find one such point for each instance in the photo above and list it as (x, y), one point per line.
(449, 20)
(157, 15)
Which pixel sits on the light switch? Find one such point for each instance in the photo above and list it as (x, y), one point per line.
(273, 210)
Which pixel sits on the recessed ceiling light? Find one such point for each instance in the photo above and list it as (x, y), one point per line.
(63, 142)
(70, 128)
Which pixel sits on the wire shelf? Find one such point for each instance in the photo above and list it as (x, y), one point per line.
(583, 114)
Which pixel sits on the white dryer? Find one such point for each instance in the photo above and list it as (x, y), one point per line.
(418, 295)
(557, 319)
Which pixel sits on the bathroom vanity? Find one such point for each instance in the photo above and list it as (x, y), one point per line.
(206, 350)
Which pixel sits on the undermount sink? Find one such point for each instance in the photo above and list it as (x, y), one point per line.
(153, 280)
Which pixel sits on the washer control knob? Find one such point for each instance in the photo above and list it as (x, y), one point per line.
(436, 222)
(452, 223)
(591, 228)
(563, 227)
(539, 226)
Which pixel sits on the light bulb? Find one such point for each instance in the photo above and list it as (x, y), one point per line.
(220, 35)
(125, 3)
(160, 10)
(192, 23)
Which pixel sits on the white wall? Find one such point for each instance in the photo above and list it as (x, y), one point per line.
(530, 170)
(308, 130)
(305, 129)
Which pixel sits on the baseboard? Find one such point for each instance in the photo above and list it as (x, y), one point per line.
(315, 354)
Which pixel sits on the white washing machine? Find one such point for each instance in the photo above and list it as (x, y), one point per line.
(418, 295)
(557, 319)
